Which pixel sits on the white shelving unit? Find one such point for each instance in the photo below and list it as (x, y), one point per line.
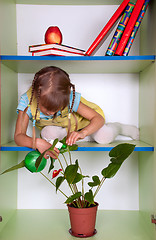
(43, 223)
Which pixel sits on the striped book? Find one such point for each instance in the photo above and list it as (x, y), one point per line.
(120, 29)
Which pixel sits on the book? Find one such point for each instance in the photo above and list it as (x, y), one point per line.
(107, 27)
(54, 51)
(120, 29)
(135, 29)
(56, 46)
(129, 27)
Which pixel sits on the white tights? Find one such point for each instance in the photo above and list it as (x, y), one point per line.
(104, 135)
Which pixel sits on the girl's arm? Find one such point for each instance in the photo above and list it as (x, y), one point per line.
(96, 122)
(22, 139)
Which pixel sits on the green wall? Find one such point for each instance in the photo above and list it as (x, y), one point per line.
(147, 160)
(8, 187)
(8, 182)
(8, 30)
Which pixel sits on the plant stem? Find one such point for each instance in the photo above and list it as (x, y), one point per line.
(64, 159)
(78, 202)
(59, 161)
(99, 186)
(54, 185)
(79, 199)
(75, 188)
(82, 185)
(70, 186)
(69, 155)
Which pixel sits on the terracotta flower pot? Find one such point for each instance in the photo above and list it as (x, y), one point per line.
(82, 221)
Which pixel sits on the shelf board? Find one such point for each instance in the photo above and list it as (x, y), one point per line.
(54, 224)
(70, 2)
(86, 146)
(76, 64)
(92, 146)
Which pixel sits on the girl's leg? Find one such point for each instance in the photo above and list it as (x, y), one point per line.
(129, 131)
(110, 131)
(53, 132)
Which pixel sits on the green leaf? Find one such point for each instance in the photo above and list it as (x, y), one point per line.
(73, 147)
(73, 197)
(63, 140)
(54, 144)
(111, 170)
(69, 148)
(51, 164)
(59, 181)
(118, 155)
(39, 159)
(62, 150)
(71, 172)
(89, 197)
(77, 178)
(20, 165)
(121, 152)
(96, 181)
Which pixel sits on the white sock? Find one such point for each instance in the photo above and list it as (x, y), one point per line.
(110, 131)
(53, 132)
(129, 131)
(106, 134)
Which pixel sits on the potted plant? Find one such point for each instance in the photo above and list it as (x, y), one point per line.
(81, 205)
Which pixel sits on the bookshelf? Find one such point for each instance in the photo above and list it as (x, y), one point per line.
(126, 224)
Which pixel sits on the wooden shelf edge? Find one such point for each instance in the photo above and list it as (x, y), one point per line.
(79, 64)
(87, 146)
(81, 58)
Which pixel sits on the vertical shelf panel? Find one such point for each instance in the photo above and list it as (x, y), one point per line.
(8, 31)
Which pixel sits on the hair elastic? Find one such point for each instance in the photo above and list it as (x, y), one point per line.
(69, 116)
(34, 121)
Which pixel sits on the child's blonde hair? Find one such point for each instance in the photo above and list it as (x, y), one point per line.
(51, 87)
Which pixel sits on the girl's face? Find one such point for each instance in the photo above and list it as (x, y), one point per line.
(45, 111)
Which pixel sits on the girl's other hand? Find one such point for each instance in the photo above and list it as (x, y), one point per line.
(43, 145)
(75, 136)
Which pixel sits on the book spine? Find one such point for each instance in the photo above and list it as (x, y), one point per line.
(135, 29)
(129, 27)
(107, 27)
(120, 29)
(33, 47)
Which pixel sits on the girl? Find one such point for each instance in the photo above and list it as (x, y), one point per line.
(55, 108)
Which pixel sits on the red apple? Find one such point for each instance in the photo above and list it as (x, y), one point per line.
(53, 35)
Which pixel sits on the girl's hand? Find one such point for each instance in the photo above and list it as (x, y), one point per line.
(43, 145)
(74, 136)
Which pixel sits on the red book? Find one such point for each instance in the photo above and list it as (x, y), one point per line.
(107, 27)
(41, 47)
(54, 51)
(129, 27)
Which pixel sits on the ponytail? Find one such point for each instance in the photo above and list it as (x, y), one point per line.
(34, 120)
(71, 113)
(24, 114)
